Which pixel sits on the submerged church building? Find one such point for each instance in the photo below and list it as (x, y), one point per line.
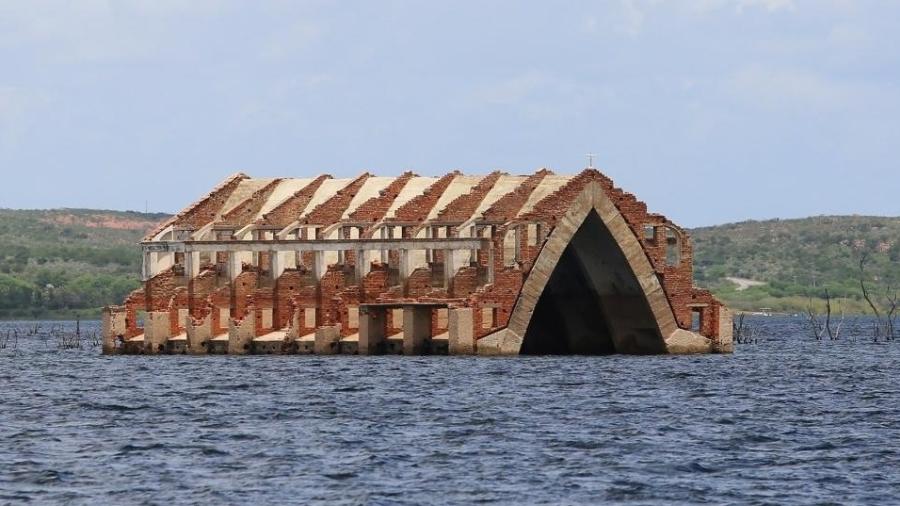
(493, 264)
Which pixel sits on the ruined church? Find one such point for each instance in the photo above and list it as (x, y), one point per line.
(494, 264)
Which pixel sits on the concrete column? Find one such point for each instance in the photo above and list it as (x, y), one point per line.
(725, 343)
(473, 253)
(276, 264)
(298, 255)
(372, 330)
(156, 332)
(113, 326)
(318, 267)
(191, 264)
(327, 339)
(362, 266)
(147, 266)
(254, 234)
(234, 265)
(384, 252)
(449, 269)
(462, 331)
(416, 329)
(198, 336)
(404, 266)
(241, 335)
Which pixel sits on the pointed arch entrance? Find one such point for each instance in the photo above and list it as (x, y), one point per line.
(592, 290)
(592, 303)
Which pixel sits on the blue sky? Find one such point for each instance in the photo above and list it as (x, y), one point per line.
(709, 110)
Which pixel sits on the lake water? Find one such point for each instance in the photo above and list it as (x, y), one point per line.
(787, 420)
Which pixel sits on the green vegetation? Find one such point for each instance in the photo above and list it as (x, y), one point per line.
(798, 260)
(69, 262)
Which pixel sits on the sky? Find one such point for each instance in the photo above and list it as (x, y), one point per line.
(711, 111)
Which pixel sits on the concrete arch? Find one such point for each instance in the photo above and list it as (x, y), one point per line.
(509, 341)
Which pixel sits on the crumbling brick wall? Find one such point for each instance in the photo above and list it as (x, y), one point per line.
(289, 211)
(204, 210)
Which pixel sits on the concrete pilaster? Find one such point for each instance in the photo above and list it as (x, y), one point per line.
(241, 335)
(156, 332)
(277, 264)
(191, 264)
(362, 266)
(327, 339)
(233, 265)
(416, 329)
(372, 330)
(449, 269)
(112, 326)
(318, 266)
(147, 266)
(461, 327)
(198, 335)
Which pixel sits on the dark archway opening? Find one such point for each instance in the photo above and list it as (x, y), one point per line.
(592, 303)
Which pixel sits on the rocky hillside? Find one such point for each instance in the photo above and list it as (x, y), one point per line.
(781, 263)
(68, 262)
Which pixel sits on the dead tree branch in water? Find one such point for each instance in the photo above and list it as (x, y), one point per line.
(743, 333)
(824, 324)
(814, 320)
(885, 321)
(834, 333)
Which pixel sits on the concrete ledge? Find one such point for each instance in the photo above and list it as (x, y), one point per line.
(272, 343)
(394, 344)
(177, 345)
(439, 344)
(135, 345)
(305, 345)
(349, 345)
(218, 345)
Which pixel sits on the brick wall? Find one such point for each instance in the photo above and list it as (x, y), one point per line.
(246, 210)
(331, 210)
(375, 208)
(417, 208)
(204, 210)
(290, 210)
(463, 207)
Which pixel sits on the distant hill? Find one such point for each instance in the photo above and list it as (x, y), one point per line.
(789, 261)
(71, 262)
(68, 262)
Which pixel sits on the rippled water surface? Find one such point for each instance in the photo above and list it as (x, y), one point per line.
(787, 420)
